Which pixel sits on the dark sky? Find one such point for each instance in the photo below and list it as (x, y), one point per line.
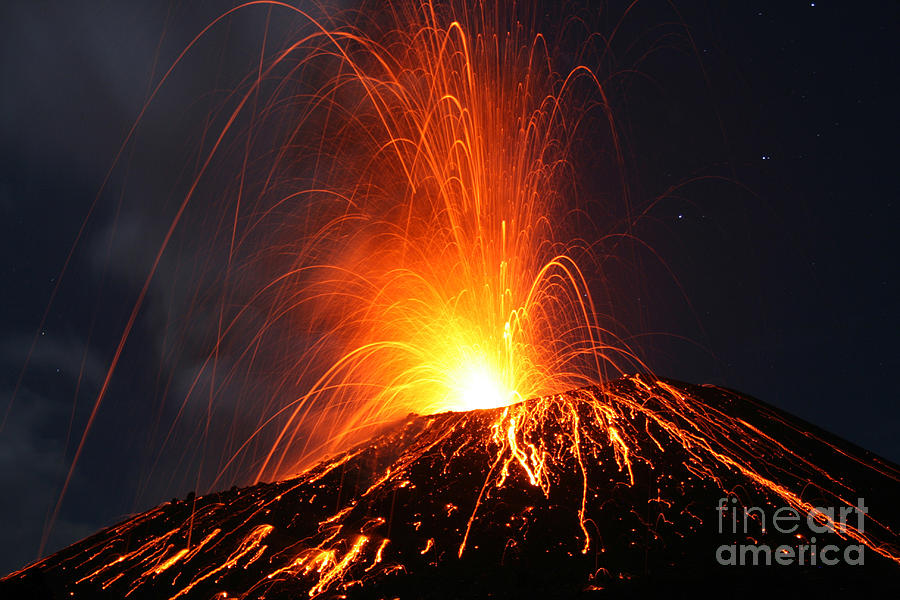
(779, 119)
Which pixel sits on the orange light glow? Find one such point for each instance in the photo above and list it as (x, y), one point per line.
(435, 266)
(403, 238)
(480, 386)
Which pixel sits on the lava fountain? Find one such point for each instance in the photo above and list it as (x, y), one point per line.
(413, 232)
(439, 271)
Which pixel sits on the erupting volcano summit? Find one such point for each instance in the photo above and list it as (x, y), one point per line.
(642, 485)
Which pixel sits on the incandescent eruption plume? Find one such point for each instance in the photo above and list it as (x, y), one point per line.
(404, 232)
(440, 273)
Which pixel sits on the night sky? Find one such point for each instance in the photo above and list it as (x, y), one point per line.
(779, 119)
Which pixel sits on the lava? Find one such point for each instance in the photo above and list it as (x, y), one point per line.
(569, 493)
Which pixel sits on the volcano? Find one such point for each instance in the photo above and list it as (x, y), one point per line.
(643, 486)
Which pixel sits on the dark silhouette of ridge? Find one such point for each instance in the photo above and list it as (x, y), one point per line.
(610, 492)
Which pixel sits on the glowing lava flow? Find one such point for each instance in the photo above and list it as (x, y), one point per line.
(560, 494)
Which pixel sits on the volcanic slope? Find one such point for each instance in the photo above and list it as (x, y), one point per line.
(596, 492)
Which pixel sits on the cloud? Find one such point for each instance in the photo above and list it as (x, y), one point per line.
(31, 470)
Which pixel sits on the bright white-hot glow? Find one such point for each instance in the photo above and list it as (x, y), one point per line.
(479, 386)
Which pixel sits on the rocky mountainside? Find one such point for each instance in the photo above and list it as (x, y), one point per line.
(638, 487)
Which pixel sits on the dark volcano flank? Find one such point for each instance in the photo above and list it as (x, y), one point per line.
(594, 492)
